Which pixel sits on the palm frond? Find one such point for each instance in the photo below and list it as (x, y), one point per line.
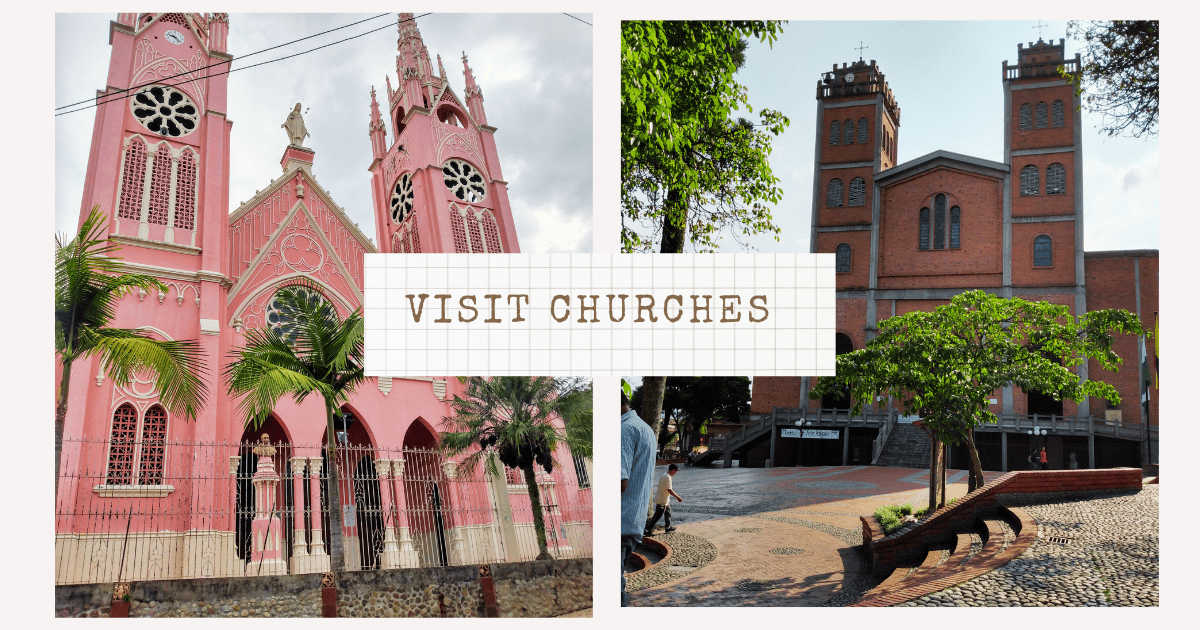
(177, 366)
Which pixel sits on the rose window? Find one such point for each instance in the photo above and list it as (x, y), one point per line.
(402, 198)
(464, 180)
(281, 318)
(165, 111)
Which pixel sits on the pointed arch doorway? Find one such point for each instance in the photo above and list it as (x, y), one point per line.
(245, 497)
(359, 491)
(426, 496)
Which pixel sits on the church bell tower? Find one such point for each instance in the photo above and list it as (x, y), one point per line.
(437, 185)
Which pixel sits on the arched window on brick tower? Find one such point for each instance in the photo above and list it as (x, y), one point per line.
(862, 130)
(1056, 179)
(1029, 180)
(842, 345)
(858, 192)
(835, 132)
(1056, 112)
(939, 221)
(1043, 251)
(924, 242)
(955, 228)
(1026, 116)
(842, 258)
(1041, 115)
(833, 194)
(848, 132)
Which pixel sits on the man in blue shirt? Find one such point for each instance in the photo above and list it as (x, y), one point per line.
(637, 472)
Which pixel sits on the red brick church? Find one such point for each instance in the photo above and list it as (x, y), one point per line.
(909, 236)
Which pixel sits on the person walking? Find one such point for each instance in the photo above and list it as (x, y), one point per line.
(637, 474)
(662, 502)
(1044, 465)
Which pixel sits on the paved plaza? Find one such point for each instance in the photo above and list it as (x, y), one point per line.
(789, 537)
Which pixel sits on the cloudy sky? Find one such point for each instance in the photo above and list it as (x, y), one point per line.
(535, 71)
(946, 77)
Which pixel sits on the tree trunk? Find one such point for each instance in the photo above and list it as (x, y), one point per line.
(664, 433)
(945, 457)
(653, 389)
(975, 479)
(535, 504)
(60, 422)
(935, 451)
(674, 229)
(337, 556)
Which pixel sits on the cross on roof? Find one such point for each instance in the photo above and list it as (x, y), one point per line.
(1039, 27)
(860, 49)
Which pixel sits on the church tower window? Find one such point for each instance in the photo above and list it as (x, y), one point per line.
(1056, 111)
(924, 229)
(833, 194)
(185, 191)
(939, 222)
(835, 133)
(1026, 116)
(160, 186)
(402, 198)
(165, 111)
(848, 132)
(1041, 115)
(1056, 179)
(842, 258)
(1043, 251)
(862, 130)
(955, 230)
(858, 192)
(132, 177)
(464, 181)
(1029, 180)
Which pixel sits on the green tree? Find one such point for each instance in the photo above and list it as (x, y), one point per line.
(88, 285)
(512, 417)
(691, 401)
(314, 352)
(947, 364)
(1119, 73)
(686, 166)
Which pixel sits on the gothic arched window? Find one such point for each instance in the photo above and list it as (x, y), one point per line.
(137, 449)
(835, 132)
(1043, 251)
(464, 180)
(955, 230)
(133, 175)
(862, 130)
(833, 194)
(1026, 116)
(402, 198)
(1056, 113)
(924, 244)
(185, 191)
(458, 227)
(1056, 179)
(1029, 181)
(858, 192)
(1041, 115)
(939, 221)
(848, 132)
(842, 258)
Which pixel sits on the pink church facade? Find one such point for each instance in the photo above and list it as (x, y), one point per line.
(192, 495)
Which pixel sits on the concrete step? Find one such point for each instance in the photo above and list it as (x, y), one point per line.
(907, 446)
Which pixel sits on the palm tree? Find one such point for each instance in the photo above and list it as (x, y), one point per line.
(313, 351)
(88, 285)
(511, 417)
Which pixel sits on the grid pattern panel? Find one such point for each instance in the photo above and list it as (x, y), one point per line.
(120, 454)
(132, 180)
(1026, 116)
(160, 187)
(185, 192)
(1029, 180)
(1056, 111)
(1056, 179)
(1043, 251)
(833, 194)
(154, 436)
(858, 192)
(835, 132)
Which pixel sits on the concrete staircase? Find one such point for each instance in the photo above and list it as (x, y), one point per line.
(906, 447)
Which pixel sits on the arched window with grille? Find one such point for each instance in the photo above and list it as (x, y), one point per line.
(1029, 180)
(835, 132)
(842, 258)
(848, 132)
(924, 229)
(833, 194)
(1056, 179)
(1056, 113)
(955, 230)
(1041, 115)
(137, 450)
(1026, 116)
(858, 192)
(939, 221)
(862, 130)
(1043, 251)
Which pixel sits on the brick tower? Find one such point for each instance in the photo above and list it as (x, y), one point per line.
(437, 186)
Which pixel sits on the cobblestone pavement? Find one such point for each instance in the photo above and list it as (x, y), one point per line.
(1098, 551)
(782, 536)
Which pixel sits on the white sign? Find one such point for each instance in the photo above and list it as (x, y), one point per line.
(599, 314)
(822, 434)
(347, 516)
(793, 433)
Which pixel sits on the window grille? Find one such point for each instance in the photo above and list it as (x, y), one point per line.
(473, 230)
(954, 227)
(581, 472)
(1029, 181)
(132, 179)
(842, 343)
(491, 234)
(862, 130)
(460, 231)
(858, 192)
(185, 192)
(1056, 179)
(843, 258)
(835, 132)
(833, 195)
(939, 222)
(134, 461)
(848, 132)
(154, 440)
(1026, 116)
(1056, 112)
(121, 445)
(1041, 115)
(160, 187)
(1043, 251)
(924, 228)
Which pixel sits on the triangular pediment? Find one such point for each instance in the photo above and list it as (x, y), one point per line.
(942, 159)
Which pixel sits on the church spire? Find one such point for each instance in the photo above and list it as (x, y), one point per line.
(473, 94)
(376, 131)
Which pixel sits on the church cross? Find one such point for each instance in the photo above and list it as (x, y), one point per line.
(860, 49)
(1039, 27)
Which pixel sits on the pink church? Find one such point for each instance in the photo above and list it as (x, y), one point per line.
(146, 495)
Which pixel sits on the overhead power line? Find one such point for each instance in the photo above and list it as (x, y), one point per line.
(124, 94)
(575, 18)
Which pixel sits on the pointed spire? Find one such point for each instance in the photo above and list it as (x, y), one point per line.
(374, 107)
(467, 72)
(388, 79)
(441, 70)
